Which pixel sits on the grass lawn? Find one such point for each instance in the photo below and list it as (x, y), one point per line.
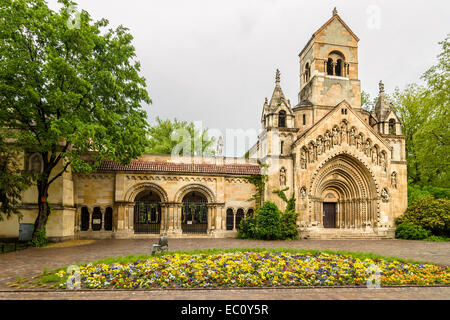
(244, 268)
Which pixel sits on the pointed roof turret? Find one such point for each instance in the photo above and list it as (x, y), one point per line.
(278, 97)
(383, 106)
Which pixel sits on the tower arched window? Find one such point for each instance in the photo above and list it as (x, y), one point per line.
(335, 64)
(307, 72)
(330, 67)
(392, 126)
(282, 119)
(282, 147)
(304, 119)
(338, 68)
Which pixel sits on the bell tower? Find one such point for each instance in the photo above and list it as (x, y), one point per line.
(329, 67)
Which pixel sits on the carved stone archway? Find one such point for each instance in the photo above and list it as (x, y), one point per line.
(353, 189)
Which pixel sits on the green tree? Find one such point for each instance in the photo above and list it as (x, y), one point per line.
(166, 135)
(424, 112)
(13, 180)
(68, 87)
(268, 222)
(288, 229)
(366, 102)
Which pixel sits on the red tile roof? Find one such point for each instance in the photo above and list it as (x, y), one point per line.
(236, 169)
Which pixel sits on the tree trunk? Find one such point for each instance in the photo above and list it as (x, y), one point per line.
(43, 206)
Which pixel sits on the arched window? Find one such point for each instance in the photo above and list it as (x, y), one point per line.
(304, 119)
(109, 219)
(84, 219)
(307, 72)
(282, 119)
(392, 126)
(250, 212)
(330, 67)
(281, 147)
(97, 219)
(230, 219)
(239, 217)
(335, 64)
(338, 68)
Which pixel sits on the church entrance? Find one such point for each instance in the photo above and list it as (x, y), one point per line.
(343, 195)
(329, 215)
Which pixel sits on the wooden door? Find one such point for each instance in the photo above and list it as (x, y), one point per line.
(329, 215)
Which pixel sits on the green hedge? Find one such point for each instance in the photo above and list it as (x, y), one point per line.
(429, 214)
(269, 224)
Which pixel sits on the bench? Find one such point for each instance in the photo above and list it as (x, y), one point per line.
(163, 245)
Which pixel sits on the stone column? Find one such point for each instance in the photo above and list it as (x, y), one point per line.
(162, 217)
(177, 216)
(102, 210)
(90, 218)
(209, 218)
(234, 220)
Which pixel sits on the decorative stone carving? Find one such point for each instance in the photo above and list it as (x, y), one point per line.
(352, 136)
(367, 149)
(303, 159)
(343, 132)
(303, 193)
(327, 141)
(383, 161)
(36, 164)
(359, 143)
(384, 195)
(311, 152)
(335, 137)
(283, 177)
(374, 155)
(394, 180)
(320, 146)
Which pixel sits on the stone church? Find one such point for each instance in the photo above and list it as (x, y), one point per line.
(345, 166)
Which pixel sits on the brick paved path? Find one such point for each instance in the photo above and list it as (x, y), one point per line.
(406, 293)
(33, 261)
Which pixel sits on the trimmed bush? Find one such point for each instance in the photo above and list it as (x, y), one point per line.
(430, 214)
(268, 221)
(247, 228)
(408, 230)
(289, 228)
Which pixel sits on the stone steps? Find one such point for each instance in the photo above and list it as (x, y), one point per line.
(342, 234)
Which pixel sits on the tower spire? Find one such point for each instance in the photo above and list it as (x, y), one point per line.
(381, 86)
(277, 77)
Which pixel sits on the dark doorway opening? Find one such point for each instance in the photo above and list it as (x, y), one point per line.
(329, 215)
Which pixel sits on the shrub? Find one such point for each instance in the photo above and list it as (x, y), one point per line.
(437, 239)
(268, 221)
(247, 228)
(289, 228)
(430, 214)
(408, 230)
(416, 192)
(41, 240)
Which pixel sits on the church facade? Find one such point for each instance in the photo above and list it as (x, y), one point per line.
(345, 166)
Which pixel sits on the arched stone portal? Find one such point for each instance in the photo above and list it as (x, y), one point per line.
(147, 212)
(343, 194)
(194, 215)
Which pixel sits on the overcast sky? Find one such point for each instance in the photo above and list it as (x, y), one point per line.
(215, 61)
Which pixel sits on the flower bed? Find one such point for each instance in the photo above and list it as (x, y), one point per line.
(256, 269)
